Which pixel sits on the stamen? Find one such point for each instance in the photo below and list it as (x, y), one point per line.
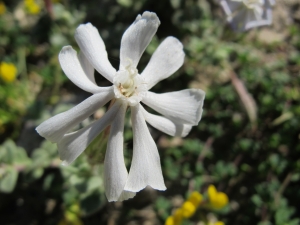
(127, 81)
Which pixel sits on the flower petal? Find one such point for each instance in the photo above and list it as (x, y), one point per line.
(145, 166)
(73, 69)
(166, 125)
(243, 18)
(73, 144)
(126, 195)
(137, 37)
(231, 7)
(92, 45)
(54, 128)
(115, 172)
(184, 106)
(166, 60)
(87, 67)
(253, 22)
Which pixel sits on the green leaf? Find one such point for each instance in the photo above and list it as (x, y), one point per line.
(10, 153)
(8, 179)
(257, 200)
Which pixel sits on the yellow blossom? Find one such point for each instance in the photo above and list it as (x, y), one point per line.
(8, 72)
(170, 221)
(219, 223)
(195, 198)
(178, 216)
(2, 8)
(32, 7)
(71, 216)
(217, 199)
(188, 209)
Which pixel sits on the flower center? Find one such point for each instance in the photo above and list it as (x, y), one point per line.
(129, 85)
(127, 82)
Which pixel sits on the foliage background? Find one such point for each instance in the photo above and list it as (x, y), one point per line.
(247, 143)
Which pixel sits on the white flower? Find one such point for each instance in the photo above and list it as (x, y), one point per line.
(246, 14)
(181, 109)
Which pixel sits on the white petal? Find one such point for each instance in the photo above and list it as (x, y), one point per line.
(126, 195)
(243, 18)
(268, 16)
(137, 37)
(87, 67)
(54, 128)
(249, 16)
(238, 20)
(258, 12)
(73, 69)
(166, 125)
(145, 166)
(92, 45)
(73, 144)
(166, 60)
(115, 172)
(251, 21)
(184, 106)
(231, 7)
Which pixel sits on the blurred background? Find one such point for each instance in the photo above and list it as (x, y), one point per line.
(246, 145)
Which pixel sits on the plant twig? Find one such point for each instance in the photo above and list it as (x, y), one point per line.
(281, 189)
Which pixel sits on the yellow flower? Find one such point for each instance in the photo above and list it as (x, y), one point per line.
(217, 199)
(188, 209)
(178, 216)
(8, 72)
(170, 221)
(71, 216)
(175, 219)
(195, 198)
(219, 223)
(32, 7)
(2, 8)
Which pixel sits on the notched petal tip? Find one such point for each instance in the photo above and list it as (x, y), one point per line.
(38, 130)
(159, 187)
(84, 26)
(43, 130)
(149, 17)
(199, 96)
(65, 49)
(198, 93)
(84, 29)
(126, 195)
